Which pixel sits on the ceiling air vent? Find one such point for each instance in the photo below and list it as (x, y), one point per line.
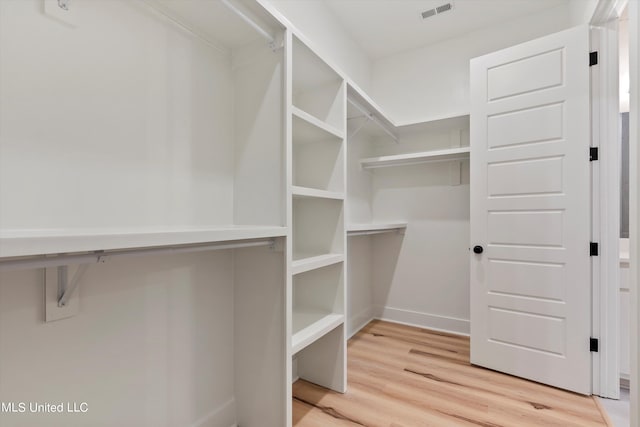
(444, 8)
(428, 13)
(438, 10)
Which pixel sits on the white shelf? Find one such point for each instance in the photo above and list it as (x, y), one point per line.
(310, 71)
(308, 263)
(456, 119)
(320, 129)
(416, 158)
(47, 242)
(310, 325)
(371, 228)
(313, 192)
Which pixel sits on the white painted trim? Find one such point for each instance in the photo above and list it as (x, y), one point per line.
(291, 367)
(225, 414)
(423, 320)
(634, 215)
(607, 10)
(361, 319)
(606, 210)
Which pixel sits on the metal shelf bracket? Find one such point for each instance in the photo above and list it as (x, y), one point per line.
(60, 286)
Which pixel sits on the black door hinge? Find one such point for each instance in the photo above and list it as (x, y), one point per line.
(593, 249)
(593, 344)
(593, 153)
(593, 58)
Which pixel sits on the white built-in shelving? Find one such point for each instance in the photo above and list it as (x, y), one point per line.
(309, 325)
(307, 128)
(451, 154)
(315, 193)
(307, 262)
(317, 264)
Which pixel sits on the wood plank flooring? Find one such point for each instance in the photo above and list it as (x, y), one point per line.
(402, 376)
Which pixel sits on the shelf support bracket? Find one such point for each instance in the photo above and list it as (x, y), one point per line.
(367, 118)
(373, 118)
(61, 299)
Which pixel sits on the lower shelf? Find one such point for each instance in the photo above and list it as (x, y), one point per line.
(310, 325)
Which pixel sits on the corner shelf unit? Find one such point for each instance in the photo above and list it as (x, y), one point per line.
(451, 154)
(317, 273)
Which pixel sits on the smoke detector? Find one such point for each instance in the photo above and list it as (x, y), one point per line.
(437, 10)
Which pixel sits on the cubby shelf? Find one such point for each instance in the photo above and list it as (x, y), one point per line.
(461, 153)
(313, 192)
(312, 262)
(313, 129)
(46, 242)
(309, 325)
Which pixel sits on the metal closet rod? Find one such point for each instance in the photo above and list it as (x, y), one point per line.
(101, 257)
(374, 118)
(252, 22)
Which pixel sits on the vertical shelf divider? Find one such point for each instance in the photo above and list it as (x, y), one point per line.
(316, 255)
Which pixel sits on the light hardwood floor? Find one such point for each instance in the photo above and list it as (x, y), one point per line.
(401, 376)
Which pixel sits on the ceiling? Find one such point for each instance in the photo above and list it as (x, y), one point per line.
(385, 27)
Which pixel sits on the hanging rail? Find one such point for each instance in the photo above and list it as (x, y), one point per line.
(252, 21)
(371, 117)
(99, 257)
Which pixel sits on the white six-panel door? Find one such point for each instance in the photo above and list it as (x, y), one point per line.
(530, 211)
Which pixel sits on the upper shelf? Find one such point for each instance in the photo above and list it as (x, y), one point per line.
(307, 128)
(309, 70)
(375, 228)
(361, 106)
(48, 242)
(416, 158)
(223, 24)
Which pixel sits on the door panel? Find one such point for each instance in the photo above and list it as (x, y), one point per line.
(530, 210)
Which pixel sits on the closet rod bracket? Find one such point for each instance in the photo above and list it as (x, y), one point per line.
(63, 4)
(60, 289)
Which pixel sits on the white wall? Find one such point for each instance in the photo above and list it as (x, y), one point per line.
(318, 24)
(423, 277)
(120, 114)
(582, 11)
(434, 80)
(151, 346)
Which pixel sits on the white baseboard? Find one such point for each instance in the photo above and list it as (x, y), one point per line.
(223, 415)
(359, 321)
(423, 320)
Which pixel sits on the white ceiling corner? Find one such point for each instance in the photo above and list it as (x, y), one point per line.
(386, 27)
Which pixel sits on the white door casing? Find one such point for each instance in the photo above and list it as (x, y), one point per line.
(530, 210)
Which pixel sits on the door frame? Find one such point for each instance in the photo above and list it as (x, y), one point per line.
(605, 135)
(634, 193)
